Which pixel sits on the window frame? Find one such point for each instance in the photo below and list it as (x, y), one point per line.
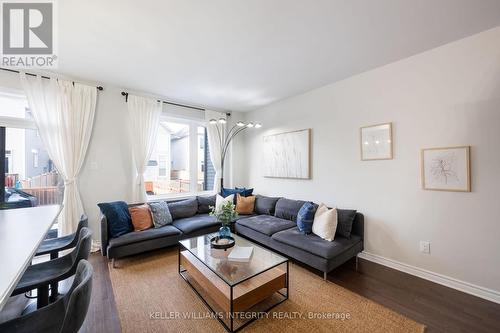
(193, 124)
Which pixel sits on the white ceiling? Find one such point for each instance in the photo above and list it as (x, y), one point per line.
(242, 54)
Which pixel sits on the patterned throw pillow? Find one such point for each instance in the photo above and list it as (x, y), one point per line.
(305, 217)
(161, 213)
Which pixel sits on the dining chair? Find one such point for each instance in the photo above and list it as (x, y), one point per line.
(40, 276)
(66, 315)
(53, 246)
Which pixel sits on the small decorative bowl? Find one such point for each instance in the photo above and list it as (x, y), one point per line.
(222, 243)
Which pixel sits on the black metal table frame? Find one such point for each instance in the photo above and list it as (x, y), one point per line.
(231, 311)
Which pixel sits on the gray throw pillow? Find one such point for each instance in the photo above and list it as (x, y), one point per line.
(345, 219)
(204, 204)
(265, 205)
(161, 213)
(183, 208)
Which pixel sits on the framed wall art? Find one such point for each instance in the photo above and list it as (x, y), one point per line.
(446, 169)
(376, 142)
(287, 155)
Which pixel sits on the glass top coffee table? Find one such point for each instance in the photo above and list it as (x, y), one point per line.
(236, 290)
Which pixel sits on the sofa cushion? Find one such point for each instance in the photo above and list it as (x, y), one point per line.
(241, 217)
(118, 218)
(246, 191)
(265, 205)
(140, 236)
(245, 205)
(266, 224)
(225, 192)
(314, 244)
(345, 219)
(221, 201)
(141, 217)
(288, 209)
(204, 204)
(183, 208)
(161, 213)
(305, 217)
(325, 222)
(194, 223)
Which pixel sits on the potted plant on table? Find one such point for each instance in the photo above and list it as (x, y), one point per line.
(224, 214)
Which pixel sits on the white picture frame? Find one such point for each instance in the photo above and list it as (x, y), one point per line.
(446, 169)
(287, 155)
(376, 142)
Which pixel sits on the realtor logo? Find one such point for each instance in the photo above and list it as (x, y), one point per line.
(28, 34)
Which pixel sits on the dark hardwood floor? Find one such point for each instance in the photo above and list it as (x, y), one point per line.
(102, 315)
(440, 308)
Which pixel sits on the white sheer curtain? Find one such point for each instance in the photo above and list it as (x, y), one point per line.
(215, 146)
(144, 117)
(64, 114)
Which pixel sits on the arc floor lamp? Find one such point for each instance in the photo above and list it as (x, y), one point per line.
(225, 137)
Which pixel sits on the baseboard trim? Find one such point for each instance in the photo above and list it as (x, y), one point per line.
(469, 288)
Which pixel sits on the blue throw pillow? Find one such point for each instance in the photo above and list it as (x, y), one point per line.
(305, 217)
(118, 216)
(246, 191)
(242, 191)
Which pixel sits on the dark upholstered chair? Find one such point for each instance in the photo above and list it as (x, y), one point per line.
(66, 315)
(54, 245)
(40, 276)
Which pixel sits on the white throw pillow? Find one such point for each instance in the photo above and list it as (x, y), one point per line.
(220, 200)
(325, 222)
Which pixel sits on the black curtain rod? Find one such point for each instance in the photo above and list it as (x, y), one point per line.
(31, 74)
(171, 103)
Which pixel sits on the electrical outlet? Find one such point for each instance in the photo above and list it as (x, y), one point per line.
(425, 247)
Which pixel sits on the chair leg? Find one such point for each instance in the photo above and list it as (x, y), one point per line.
(42, 296)
(357, 263)
(54, 291)
(113, 263)
(324, 275)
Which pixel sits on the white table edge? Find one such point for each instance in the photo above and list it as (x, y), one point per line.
(6, 295)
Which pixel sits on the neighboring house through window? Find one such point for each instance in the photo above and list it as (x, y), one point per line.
(29, 177)
(178, 161)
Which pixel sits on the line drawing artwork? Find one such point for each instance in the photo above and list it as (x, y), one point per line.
(286, 155)
(443, 169)
(446, 169)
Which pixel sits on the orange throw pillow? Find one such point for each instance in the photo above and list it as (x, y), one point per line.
(245, 205)
(141, 217)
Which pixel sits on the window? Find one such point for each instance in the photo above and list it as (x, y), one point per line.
(162, 165)
(177, 163)
(29, 176)
(35, 157)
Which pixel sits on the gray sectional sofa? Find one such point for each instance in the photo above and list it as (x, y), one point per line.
(272, 225)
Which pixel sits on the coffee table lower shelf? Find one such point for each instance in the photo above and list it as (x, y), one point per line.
(236, 299)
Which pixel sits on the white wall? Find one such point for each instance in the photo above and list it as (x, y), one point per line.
(444, 97)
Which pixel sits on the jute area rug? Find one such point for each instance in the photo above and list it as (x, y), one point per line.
(152, 297)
